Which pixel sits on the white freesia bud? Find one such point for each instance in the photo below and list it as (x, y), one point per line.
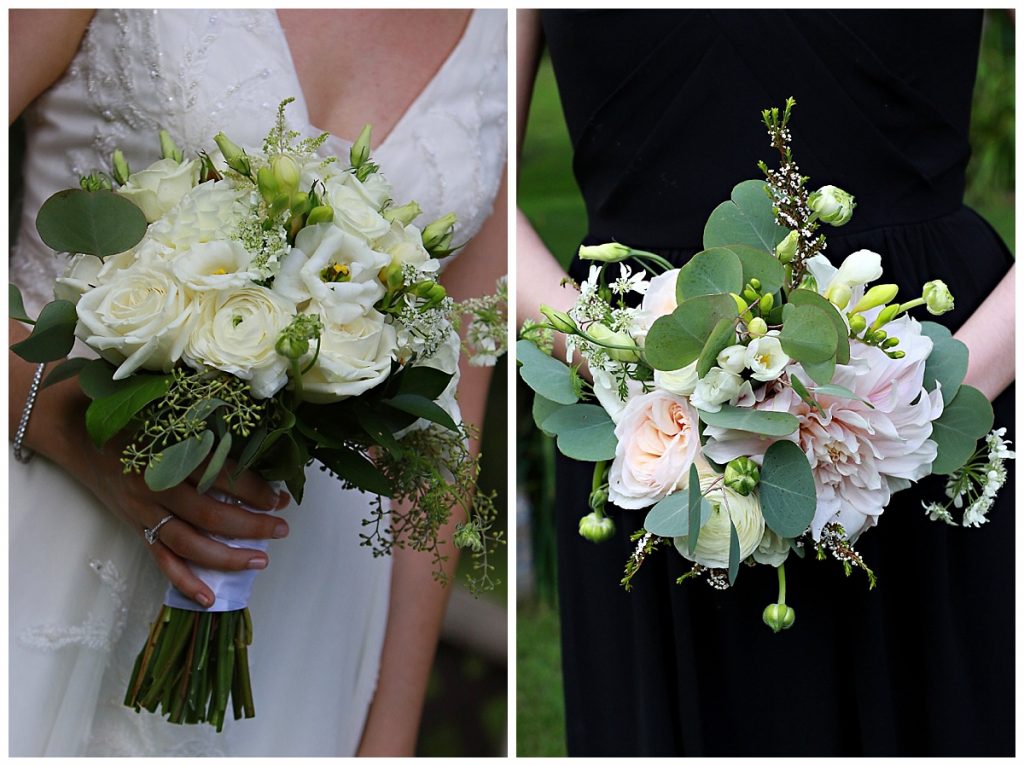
(681, 382)
(937, 297)
(286, 172)
(712, 548)
(785, 251)
(757, 327)
(611, 252)
(765, 358)
(859, 268)
(879, 295)
(832, 204)
(625, 350)
(839, 294)
(732, 359)
(714, 389)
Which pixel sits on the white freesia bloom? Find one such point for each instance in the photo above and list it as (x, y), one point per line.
(220, 265)
(159, 187)
(657, 442)
(323, 253)
(681, 382)
(353, 358)
(733, 358)
(236, 331)
(715, 389)
(712, 548)
(141, 319)
(765, 358)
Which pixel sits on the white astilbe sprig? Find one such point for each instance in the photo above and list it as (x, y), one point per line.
(975, 486)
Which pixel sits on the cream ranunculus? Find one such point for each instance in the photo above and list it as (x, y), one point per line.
(715, 389)
(353, 212)
(236, 331)
(208, 212)
(765, 358)
(657, 443)
(713, 541)
(161, 186)
(353, 358)
(140, 319)
(213, 266)
(337, 270)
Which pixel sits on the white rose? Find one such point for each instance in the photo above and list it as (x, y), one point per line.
(712, 548)
(405, 246)
(139, 319)
(772, 550)
(657, 443)
(733, 358)
(80, 276)
(353, 358)
(715, 389)
(765, 358)
(206, 213)
(375, 189)
(213, 266)
(680, 382)
(335, 269)
(236, 331)
(159, 187)
(353, 212)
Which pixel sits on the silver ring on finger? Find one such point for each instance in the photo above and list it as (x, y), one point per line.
(153, 533)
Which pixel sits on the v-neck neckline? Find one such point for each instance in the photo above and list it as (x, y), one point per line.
(409, 110)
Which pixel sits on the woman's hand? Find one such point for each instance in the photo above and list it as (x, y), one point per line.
(57, 431)
(989, 335)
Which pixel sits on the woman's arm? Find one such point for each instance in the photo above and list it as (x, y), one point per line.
(417, 602)
(42, 44)
(989, 334)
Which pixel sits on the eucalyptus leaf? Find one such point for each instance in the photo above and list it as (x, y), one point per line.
(53, 335)
(965, 420)
(65, 371)
(761, 265)
(176, 463)
(746, 219)
(216, 464)
(107, 415)
(422, 407)
(947, 364)
(749, 419)
(710, 272)
(734, 553)
(99, 223)
(810, 298)
(16, 305)
(722, 336)
(677, 339)
(696, 502)
(808, 334)
(546, 376)
(542, 408)
(820, 372)
(583, 432)
(787, 493)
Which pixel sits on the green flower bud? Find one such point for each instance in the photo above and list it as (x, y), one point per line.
(266, 182)
(599, 497)
(879, 335)
(404, 215)
(832, 204)
(95, 182)
(168, 149)
(937, 297)
(741, 305)
(121, 170)
(391, 276)
(360, 151)
(437, 235)
(234, 155)
(612, 252)
(879, 295)
(755, 283)
(291, 347)
(778, 617)
(839, 295)
(207, 171)
(300, 203)
(320, 214)
(467, 537)
(857, 324)
(885, 316)
(750, 295)
(559, 320)
(757, 327)
(286, 172)
(596, 528)
(604, 336)
(808, 282)
(434, 295)
(897, 354)
(742, 475)
(890, 342)
(785, 251)
(766, 303)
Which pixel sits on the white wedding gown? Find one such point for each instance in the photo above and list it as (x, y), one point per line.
(82, 588)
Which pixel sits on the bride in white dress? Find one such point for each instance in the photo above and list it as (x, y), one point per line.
(344, 641)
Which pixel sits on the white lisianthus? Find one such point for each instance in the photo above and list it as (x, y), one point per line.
(335, 269)
(213, 266)
(405, 246)
(937, 297)
(80, 276)
(161, 186)
(236, 331)
(712, 548)
(733, 358)
(208, 212)
(657, 443)
(353, 212)
(765, 358)
(353, 358)
(773, 550)
(832, 204)
(140, 319)
(681, 382)
(715, 389)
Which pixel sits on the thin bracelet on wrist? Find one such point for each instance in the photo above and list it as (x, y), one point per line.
(21, 454)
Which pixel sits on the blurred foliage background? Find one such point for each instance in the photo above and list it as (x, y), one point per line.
(549, 197)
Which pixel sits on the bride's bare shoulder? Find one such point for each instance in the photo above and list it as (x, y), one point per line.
(42, 44)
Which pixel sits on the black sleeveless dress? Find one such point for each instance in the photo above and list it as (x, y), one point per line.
(663, 110)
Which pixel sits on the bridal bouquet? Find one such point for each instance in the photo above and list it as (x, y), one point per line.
(760, 400)
(270, 307)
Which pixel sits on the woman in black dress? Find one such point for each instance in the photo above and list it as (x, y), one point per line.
(663, 112)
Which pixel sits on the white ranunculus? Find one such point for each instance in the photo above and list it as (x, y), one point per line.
(213, 266)
(657, 442)
(681, 382)
(161, 186)
(352, 211)
(773, 550)
(211, 211)
(405, 246)
(236, 331)
(715, 389)
(323, 253)
(80, 275)
(140, 319)
(713, 541)
(353, 358)
(765, 358)
(733, 358)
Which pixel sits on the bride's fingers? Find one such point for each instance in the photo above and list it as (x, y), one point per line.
(248, 487)
(180, 576)
(190, 544)
(220, 518)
